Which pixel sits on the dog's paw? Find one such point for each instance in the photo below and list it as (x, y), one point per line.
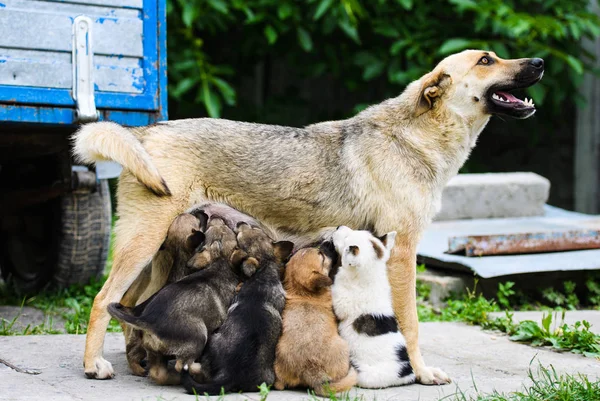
(432, 376)
(138, 369)
(195, 368)
(99, 369)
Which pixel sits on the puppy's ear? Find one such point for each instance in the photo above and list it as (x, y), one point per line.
(432, 87)
(237, 257)
(203, 217)
(388, 240)
(319, 281)
(249, 266)
(243, 226)
(199, 261)
(328, 250)
(195, 239)
(283, 250)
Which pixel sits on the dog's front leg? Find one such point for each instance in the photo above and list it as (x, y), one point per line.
(403, 275)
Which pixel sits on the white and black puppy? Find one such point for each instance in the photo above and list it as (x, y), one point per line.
(362, 301)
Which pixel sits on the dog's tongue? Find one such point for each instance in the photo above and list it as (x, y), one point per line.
(509, 97)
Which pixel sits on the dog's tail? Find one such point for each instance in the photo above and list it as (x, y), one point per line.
(340, 386)
(125, 314)
(109, 141)
(193, 387)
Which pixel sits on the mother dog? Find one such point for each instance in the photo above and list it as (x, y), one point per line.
(382, 170)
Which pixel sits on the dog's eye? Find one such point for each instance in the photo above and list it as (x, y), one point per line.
(485, 60)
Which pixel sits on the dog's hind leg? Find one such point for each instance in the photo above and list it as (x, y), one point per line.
(137, 240)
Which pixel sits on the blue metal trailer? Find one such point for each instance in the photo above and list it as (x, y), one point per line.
(62, 63)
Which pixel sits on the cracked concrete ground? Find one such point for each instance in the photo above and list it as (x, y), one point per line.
(466, 353)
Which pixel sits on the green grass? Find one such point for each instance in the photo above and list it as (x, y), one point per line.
(546, 385)
(72, 304)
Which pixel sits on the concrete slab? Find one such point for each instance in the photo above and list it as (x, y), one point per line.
(591, 316)
(466, 353)
(494, 195)
(432, 248)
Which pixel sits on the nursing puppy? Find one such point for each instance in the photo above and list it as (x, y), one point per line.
(179, 318)
(362, 301)
(241, 353)
(310, 352)
(183, 237)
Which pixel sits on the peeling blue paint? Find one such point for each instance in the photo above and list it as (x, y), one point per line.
(133, 108)
(2, 5)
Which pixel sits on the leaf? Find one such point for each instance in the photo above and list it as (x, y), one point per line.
(464, 4)
(350, 31)
(284, 11)
(373, 70)
(226, 90)
(406, 4)
(211, 102)
(271, 34)
(574, 64)
(219, 5)
(183, 87)
(304, 39)
(454, 45)
(322, 9)
(398, 46)
(537, 93)
(189, 14)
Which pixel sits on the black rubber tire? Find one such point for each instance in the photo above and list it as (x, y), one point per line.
(84, 238)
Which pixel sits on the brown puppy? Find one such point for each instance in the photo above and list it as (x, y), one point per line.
(310, 352)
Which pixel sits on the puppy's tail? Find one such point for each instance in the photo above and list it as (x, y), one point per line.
(193, 387)
(109, 141)
(340, 386)
(125, 314)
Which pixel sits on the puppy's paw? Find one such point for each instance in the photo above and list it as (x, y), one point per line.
(137, 369)
(99, 368)
(195, 368)
(432, 376)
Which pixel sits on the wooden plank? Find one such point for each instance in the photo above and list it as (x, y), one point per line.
(47, 26)
(53, 70)
(587, 136)
(106, 3)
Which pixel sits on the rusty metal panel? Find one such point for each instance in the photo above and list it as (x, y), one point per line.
(434, 244)
(507, 244)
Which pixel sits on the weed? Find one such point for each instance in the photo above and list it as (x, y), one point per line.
(568, 299)
(505, 292)
(546, 384)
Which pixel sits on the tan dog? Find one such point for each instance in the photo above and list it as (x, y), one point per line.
(310, 352)
(382, 170)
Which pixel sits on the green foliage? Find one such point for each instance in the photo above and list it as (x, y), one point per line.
(213, 43)
(505, 292)
(567, 299)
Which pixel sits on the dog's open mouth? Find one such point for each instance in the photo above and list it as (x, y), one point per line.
(501, 101)
(505, 99)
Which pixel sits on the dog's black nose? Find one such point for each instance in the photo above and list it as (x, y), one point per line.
(537, 62)
(338, 227)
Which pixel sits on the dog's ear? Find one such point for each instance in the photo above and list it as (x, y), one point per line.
(283, 250)
(432, 87)
(388, 240)
(195, 239)
(249, 266)
(237, 257)
(203, 217)
(318, 281)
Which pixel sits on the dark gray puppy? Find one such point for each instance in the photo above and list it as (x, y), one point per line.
(180, 317)
(241, 353)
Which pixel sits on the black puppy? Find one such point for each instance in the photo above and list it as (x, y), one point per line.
(241, 353)
(180, 317)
